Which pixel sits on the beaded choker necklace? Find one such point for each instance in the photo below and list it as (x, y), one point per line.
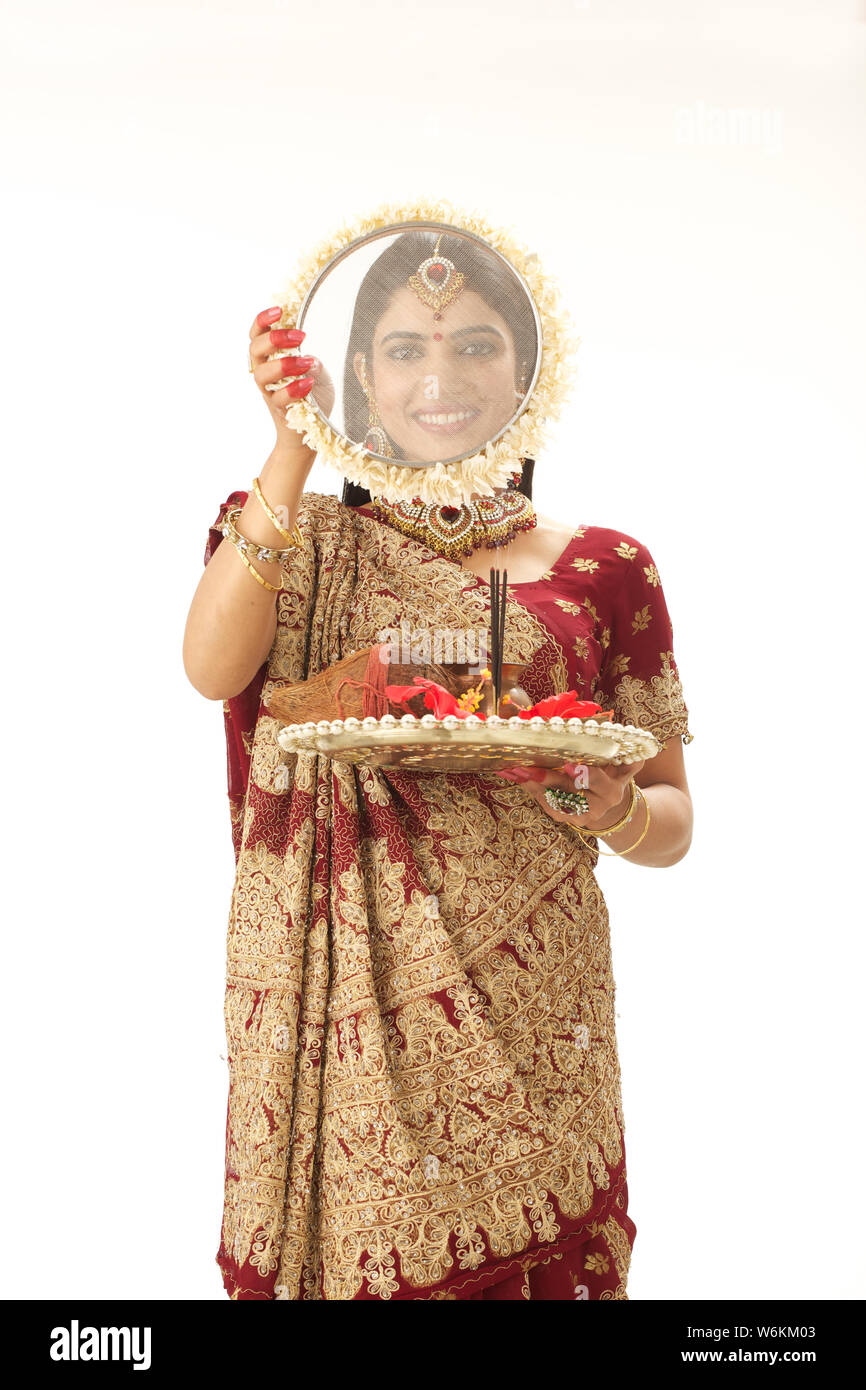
(457, 531)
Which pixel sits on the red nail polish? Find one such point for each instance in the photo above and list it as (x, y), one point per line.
(286, 337)
(300, 388)
(268, 316)
(296, 366)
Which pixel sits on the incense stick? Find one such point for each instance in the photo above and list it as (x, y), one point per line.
(501, 645)
(498, 596)
(494, 634)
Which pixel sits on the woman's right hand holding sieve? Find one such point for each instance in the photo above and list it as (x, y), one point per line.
(297, 374)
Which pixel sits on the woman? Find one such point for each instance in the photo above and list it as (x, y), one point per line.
(424, 1089)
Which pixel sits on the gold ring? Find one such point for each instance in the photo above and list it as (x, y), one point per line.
(250, 362)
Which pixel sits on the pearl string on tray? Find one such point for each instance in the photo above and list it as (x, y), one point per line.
(638, 743)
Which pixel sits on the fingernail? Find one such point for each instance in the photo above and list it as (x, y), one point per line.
(296, 366)
(269, 315)
(286, 337)
(300, 388)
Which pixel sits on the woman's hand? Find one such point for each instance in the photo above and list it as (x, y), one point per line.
(608, 790)
(300, 374)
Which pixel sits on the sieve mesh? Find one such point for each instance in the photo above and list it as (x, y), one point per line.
(429, 340)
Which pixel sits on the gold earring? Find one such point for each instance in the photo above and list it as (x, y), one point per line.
(520, 391)
(375, 440)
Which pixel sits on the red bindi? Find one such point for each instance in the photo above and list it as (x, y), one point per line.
(437, 337)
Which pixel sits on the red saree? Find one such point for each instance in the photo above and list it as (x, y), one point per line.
(424, 1087)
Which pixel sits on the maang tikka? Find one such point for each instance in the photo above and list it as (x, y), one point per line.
(437, 282)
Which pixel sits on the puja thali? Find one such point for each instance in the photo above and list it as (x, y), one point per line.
(452, 744)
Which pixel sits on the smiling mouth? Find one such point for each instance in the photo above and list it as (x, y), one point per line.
(445, 421)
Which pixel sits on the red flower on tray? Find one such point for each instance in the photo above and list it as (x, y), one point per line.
(437, 699)
(441, 702)
(566, 706)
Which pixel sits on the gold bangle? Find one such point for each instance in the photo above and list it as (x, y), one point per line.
(267, 554)
(295, 537)
(624, 820)
(274, 588)
(617, 853)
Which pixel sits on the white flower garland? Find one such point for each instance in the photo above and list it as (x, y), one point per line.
(449, 484)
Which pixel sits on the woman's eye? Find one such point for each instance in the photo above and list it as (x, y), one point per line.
(402, 354)
(479, 349)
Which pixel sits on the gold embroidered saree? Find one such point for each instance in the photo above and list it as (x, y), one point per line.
(424, 1088)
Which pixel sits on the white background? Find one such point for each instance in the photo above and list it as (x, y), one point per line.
(165, 167)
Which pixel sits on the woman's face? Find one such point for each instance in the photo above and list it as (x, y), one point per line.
(443, 386)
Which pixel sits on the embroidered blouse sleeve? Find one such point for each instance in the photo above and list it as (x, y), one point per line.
(639, 678)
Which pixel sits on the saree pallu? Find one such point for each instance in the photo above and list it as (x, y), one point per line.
(424, 1087)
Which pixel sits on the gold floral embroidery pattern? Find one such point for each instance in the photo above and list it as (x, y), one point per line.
(642, 619)
(268, 758)
(657, 705)
(618, 664)
(620, 1249)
